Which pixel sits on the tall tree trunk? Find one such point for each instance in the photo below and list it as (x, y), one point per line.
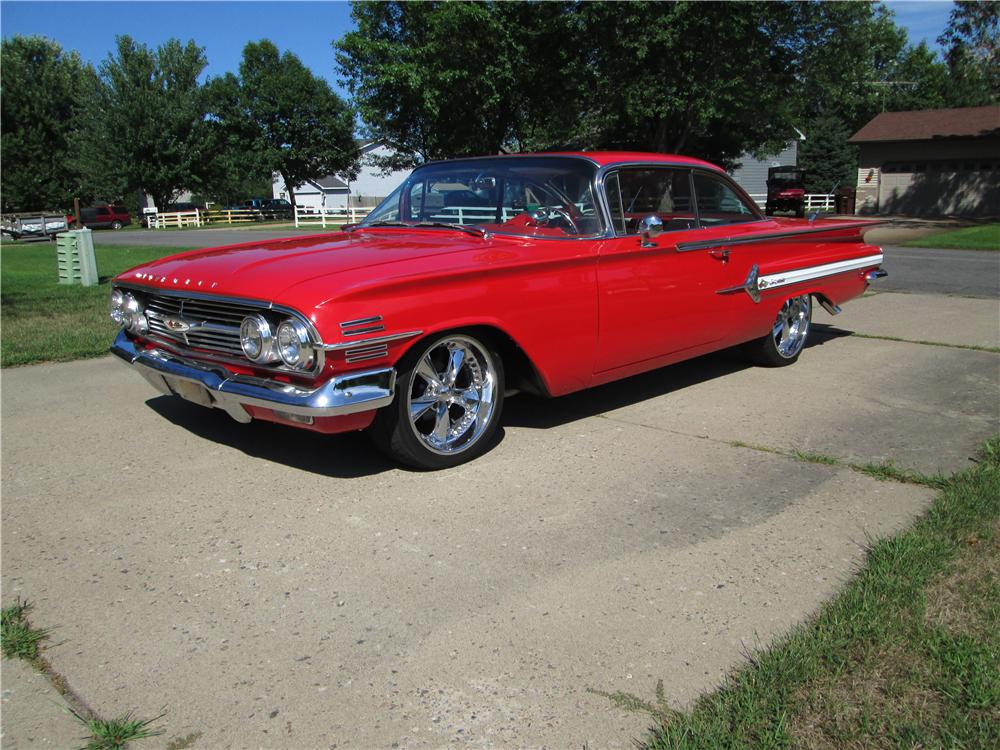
(290, 187)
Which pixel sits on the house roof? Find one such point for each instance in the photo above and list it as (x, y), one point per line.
(930, 124)
(330, 182)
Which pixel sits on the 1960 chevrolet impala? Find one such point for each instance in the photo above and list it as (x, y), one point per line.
(545, 273)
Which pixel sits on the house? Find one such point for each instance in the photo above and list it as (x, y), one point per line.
(371, 185)
(930, 162)
(333, 191)
(751, 175)
(329, 192)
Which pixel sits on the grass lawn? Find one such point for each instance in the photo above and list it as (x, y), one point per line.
(46, 321)
(908, 655)
(985, 237)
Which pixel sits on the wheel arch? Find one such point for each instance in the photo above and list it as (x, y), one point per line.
(520, 371)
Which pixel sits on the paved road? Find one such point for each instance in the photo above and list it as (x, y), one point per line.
(271, 587)
(971, 273)
(196, 237)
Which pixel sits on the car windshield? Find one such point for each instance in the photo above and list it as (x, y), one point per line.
(541, 196)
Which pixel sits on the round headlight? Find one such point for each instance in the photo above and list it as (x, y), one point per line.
(293, 345)
(132, 316)
(256, 339)
(116, 306)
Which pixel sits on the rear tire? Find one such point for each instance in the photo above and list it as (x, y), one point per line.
(784, 342)
(449, 397)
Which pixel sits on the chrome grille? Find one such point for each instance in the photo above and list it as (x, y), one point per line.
(212, 325)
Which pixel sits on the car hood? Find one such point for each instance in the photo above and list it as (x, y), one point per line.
(262, 270)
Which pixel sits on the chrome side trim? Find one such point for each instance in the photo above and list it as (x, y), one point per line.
(751, 286)
(346, 394)
(817, 272)
(362, 353)
(685, 247)
(361, 321)
(367, 342)
(362, 326)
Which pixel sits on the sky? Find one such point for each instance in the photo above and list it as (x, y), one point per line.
(223, 28)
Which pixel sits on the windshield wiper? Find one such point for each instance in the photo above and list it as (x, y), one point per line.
(468, 229)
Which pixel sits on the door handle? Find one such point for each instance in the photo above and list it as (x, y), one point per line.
(720, 254)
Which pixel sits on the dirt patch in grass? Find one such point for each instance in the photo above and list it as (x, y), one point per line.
(966, 600)
(865, 706)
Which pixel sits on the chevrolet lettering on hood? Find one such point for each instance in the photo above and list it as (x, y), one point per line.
(481, 278)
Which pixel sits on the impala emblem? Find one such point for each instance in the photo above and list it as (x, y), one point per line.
(177, 325)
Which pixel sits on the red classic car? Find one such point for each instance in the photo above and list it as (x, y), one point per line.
(546, 273)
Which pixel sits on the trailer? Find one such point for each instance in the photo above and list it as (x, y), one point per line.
(45, 224)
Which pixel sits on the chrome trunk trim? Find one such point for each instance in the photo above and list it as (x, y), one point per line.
(817, 272)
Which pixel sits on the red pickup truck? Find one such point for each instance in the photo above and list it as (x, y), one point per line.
(96, 217)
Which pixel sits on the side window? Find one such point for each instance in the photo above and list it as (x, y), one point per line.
(103, 211)
(635, 193)
(718, 203)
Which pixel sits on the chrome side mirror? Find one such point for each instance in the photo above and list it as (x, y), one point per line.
(650, 227)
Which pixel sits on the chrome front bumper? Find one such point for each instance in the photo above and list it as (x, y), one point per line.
(213, 386)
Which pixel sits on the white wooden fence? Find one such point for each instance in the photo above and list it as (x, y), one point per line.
(316, 216)
(814, 201)
(199, 217)
(175, 219)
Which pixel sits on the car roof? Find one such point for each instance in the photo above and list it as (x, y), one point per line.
(603, 158)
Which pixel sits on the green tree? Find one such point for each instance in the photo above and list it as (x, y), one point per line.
(434, 80)
(38, 102)
(452, 79)
(282, 119)
(142, 126)
(846, 56)
(972, 52)
(829, 160)
(708, 79)
(921, 82)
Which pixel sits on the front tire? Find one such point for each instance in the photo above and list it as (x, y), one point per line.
(787, 337)
(449, 397)
(116, 225)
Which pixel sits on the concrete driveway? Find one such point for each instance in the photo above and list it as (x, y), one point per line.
(268, 587)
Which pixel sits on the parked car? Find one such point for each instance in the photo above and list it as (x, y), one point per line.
(786, 191)
(104, 217)
(269, 208)
(277, 205)
(565, 272)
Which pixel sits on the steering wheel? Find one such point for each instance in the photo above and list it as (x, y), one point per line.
(563, 213)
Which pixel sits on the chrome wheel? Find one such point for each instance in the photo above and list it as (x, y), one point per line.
(452, 395)
(792, 326)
